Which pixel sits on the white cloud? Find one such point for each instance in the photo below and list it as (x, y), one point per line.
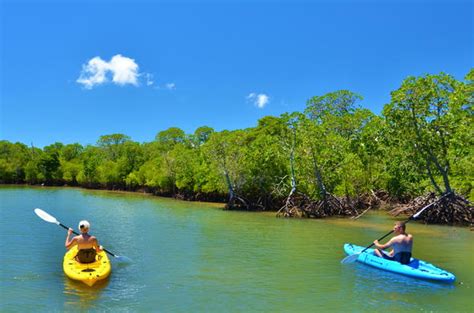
(149, 79)
(125, 70)
(251, 95)
(170, 86)
(260, 100)
(97, 71)
(167, 86)
(93, 73)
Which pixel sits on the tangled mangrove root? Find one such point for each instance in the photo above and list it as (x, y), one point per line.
(300, 205)
(452, 209)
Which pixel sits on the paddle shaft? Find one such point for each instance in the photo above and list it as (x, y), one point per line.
(65, 227)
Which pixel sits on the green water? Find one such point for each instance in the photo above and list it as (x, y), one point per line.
(192, 257)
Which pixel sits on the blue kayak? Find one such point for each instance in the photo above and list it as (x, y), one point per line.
(416, 268)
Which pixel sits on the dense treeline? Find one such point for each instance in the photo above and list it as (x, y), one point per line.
(423, 141)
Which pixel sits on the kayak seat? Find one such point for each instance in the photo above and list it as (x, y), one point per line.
(401, 257)
(86, 256)
(415, 263)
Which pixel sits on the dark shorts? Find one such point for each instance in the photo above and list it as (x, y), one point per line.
(86, 255)
(401, 257)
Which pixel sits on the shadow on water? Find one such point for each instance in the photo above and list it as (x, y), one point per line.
(377, 279)
(83, 297)
(382, 290)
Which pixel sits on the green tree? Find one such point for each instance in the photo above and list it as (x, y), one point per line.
(91, 158)
(70, 161)
(50, 165)
(265, 162)
(423, 112)
(170, 137)
(461, 152)
(33, 173)
(333, 142)
(202, 134)
(112, 145)
(337, 103)
(129, 161)
(13, 160)
(224, 151)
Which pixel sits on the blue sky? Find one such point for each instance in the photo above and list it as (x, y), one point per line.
(73, 72)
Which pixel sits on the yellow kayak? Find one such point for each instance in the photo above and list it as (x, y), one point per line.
(87, 273)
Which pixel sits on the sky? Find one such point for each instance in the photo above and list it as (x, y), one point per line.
(72, 71)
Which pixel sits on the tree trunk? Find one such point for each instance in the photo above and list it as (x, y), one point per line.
(229, 185)
(317, 174)
(430, 157)
(430, 175)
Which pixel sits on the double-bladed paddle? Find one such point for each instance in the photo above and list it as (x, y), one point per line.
(353, 257)
(51, 219)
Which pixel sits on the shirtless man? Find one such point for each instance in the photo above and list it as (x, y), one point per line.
(87, 245)
(401, 244)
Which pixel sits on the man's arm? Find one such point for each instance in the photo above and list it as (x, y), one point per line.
(68, 242)
(98, 248)
(385, 246)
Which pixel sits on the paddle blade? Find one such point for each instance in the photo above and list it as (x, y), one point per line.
(45, 216)
(350, 258)
(123, 259)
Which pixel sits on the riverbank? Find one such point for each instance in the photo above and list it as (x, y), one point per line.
(141, 193)
(376, 201)
(303, 207)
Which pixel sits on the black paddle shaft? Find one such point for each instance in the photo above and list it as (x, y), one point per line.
(65, 227)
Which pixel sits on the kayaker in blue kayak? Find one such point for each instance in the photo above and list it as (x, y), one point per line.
(87, 245)
(401, 244)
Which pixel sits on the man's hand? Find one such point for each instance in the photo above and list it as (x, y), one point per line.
(69, 231)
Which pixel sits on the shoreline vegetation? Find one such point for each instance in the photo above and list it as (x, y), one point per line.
(333, 159)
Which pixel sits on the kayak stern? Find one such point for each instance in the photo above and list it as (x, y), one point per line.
(88, 273)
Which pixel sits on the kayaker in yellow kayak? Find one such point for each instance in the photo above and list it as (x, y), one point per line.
(401, 244)
(87, 245)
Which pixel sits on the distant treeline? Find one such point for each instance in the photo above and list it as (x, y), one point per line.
(422, 141)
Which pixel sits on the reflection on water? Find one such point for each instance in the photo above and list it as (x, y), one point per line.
(80, 296)
(401, 284)
(104, 294)
(390, 290)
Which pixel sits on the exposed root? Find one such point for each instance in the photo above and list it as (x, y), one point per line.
(300, 205)
(452, 209)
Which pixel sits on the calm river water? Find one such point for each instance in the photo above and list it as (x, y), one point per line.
(194, 257)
